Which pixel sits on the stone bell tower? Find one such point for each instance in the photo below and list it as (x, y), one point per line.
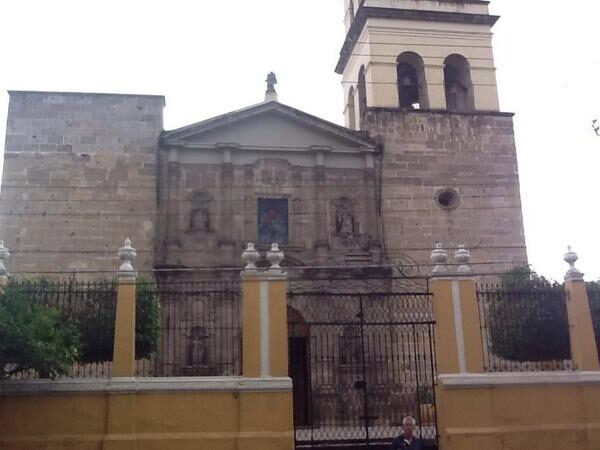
(419, 77)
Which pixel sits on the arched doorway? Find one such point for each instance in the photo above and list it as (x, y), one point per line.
(299, 366)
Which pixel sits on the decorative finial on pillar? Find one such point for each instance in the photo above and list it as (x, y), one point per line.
(275, 256)
(250, 256)
(573, 274)
(271, 94)
(439, 258)
(463, 257)
(127, 254)
(4, 254)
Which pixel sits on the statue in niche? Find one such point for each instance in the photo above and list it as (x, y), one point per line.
(196, 354)
(345, 225)
(200, 213)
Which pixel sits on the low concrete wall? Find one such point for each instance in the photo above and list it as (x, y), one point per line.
(519, 411)
(165, 413)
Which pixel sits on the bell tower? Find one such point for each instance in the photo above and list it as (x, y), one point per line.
(419, 77)
(419, 54)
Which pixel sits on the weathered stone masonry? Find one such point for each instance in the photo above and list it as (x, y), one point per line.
(472, 155)
(79, 176)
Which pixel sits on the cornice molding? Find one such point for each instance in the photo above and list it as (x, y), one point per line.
(367, 12)
(144, 385)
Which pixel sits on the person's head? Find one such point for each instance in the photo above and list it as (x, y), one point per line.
(408, 426)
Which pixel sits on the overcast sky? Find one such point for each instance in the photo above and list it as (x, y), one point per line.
(210, 57)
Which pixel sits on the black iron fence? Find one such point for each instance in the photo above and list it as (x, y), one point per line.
(64, 328)
(199, 330)
(593, 291)
(182, 329)
(524, 328)
(360, 362)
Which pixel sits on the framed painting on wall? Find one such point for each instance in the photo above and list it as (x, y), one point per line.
(272, 221)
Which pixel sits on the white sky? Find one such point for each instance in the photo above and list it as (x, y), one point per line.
(210, 57)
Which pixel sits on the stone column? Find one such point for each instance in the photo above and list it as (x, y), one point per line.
(584, 351)
(4, 275)
(264, 316)
(173, 177)
(434, 74)
(320, 223)
(124, 347)
(370, 203)
(226, 241)
(457, 326)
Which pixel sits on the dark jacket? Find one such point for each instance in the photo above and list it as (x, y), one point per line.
(400, 444)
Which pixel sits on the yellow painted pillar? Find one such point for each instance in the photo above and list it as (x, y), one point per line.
(584, 351)
(457, 329)
(124, 345)
(120, 422)
(264, 317)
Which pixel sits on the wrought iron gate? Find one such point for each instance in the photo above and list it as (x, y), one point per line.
(360, 362)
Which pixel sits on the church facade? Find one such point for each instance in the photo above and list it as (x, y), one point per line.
(426, 155)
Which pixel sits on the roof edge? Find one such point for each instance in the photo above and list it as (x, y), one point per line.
(13, 91)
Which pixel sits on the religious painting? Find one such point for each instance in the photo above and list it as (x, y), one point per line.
(272, 221)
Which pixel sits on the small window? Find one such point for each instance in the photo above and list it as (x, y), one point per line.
(448, 199)
(272, 221)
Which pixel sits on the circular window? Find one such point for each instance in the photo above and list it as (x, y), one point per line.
(448, 199)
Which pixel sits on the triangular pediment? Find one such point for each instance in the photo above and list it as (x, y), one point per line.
(268, 125)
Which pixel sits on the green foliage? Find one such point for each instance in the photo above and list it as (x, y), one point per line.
(96, 321)
(594, 298)
(34, 337)
(47, 326)
(148, 319)
(527, 318)
(425, 395)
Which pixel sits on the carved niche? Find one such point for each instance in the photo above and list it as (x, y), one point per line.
(200, 220)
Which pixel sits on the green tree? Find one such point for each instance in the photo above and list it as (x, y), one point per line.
(34, 337)
(95, 320)
(527, 318)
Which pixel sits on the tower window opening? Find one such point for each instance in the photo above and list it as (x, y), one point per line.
(362, 92)
(408, 86)
(351, 110)
(458, 85)
(412, 91)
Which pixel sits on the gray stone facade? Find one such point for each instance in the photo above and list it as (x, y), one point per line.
(83, 171)
(473, 156)
(79, 177)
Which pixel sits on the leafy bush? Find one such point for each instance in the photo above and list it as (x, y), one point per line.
(527, 318)
(594, 297)
(47, 326)
(96, 322)
(34, 337)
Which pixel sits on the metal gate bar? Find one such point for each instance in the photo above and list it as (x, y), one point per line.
(369, 361)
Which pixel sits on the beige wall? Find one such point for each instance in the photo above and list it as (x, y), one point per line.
(174, 414)
(527, 411)
(383, 40)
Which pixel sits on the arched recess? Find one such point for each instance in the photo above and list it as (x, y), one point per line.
(412, 84)
(351, 111)
(458, 85)
(299, 365)
(362, 92)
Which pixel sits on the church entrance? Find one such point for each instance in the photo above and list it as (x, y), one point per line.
(360, 362)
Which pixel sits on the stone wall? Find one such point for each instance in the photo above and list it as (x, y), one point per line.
(474, 156)
(225, 197)
(79, 177)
